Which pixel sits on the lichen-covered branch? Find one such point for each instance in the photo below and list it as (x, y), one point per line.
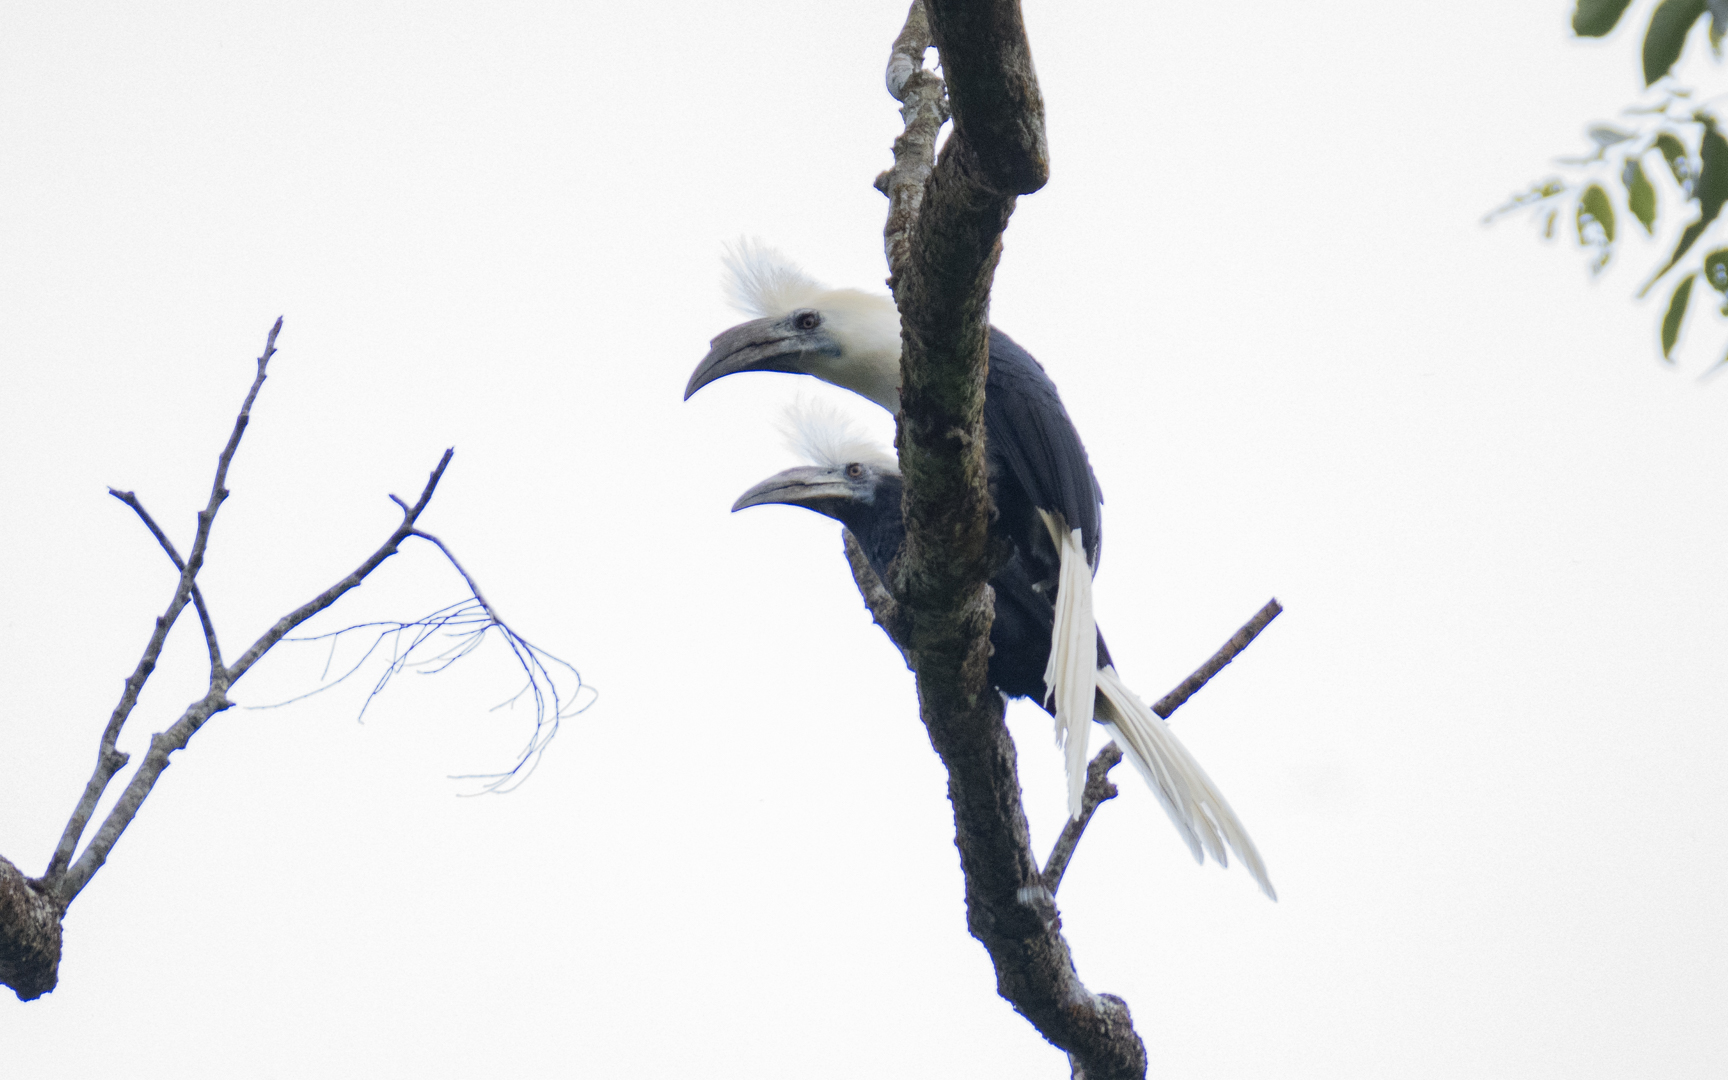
(943, 239)
(29, 934)
(923, 111)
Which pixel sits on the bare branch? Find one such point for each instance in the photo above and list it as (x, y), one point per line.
(924, 108)
(329, 596)
(68, 885)
(1172, 701)
(164, 744)
(1098, 786)
(467, 625)
(998, 108)
(473, 587)
(109, 759)
(943, 240)
(884, 609)
(131, 500)
(1099, 789)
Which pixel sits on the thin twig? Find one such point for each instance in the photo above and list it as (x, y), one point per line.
(109, 759)
(1099, 789)
(1098, 786)
(467, 624)
(131, 499)
(473, 586)
(884, 609)
(329, 596)
(1172, 701)
(166, 743)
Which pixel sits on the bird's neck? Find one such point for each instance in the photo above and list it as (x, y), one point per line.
(870, 366)
(877, 380)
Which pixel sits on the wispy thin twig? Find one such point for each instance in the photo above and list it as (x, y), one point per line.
(461, 628)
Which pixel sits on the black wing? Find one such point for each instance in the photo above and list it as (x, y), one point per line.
(1020, 634)
(1036, 457)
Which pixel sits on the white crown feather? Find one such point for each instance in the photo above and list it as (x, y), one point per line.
(822, 435)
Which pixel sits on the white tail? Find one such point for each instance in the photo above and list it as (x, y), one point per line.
(1195, 805)
(1071, 675)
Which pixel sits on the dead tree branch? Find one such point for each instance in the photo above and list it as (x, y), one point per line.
(109, 760)
(204, 620)
(1227, 652)
(215, 700)
(31, 910)
(943, 240)
(467, 624)
(946, 216)
(1099, 789)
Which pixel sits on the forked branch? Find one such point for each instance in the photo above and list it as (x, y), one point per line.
(163, 744)
(109, 759)
(31, 909)
(943, 234)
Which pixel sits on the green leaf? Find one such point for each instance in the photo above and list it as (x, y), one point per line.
(1687, 239)
(1716, 270)
(1593, 18)
(1640, 195)
(1712, 190)
(1548, 226)
(1667, 35)
(1675, 152)
(1676, 313)
(1595, 205)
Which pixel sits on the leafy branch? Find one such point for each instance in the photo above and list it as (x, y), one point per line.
(1672, 136)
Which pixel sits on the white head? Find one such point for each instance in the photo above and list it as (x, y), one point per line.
(846, 337)
(850, 478)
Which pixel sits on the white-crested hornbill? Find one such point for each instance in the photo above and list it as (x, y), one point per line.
(858, 484)
(1046, 497)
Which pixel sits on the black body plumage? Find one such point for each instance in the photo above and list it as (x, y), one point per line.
(1020, 634)
(1036, 459)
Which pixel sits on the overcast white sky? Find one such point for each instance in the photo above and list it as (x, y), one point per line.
(1482, 751)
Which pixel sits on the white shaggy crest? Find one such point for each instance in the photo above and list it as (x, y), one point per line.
(823, 435)
(761, 281)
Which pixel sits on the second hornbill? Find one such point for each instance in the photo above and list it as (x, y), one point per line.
(1048, 504)
(859, 485)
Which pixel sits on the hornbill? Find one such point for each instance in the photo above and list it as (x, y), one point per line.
(858, 484)
(1047, 499)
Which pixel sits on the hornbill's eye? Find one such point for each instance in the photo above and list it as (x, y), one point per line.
(807, 320)
(854, 471)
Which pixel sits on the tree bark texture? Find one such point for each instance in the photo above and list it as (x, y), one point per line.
(29, 934)
(943, 240)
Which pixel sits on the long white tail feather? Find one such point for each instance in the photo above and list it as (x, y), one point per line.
(1070, 676)
(1195, 805)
